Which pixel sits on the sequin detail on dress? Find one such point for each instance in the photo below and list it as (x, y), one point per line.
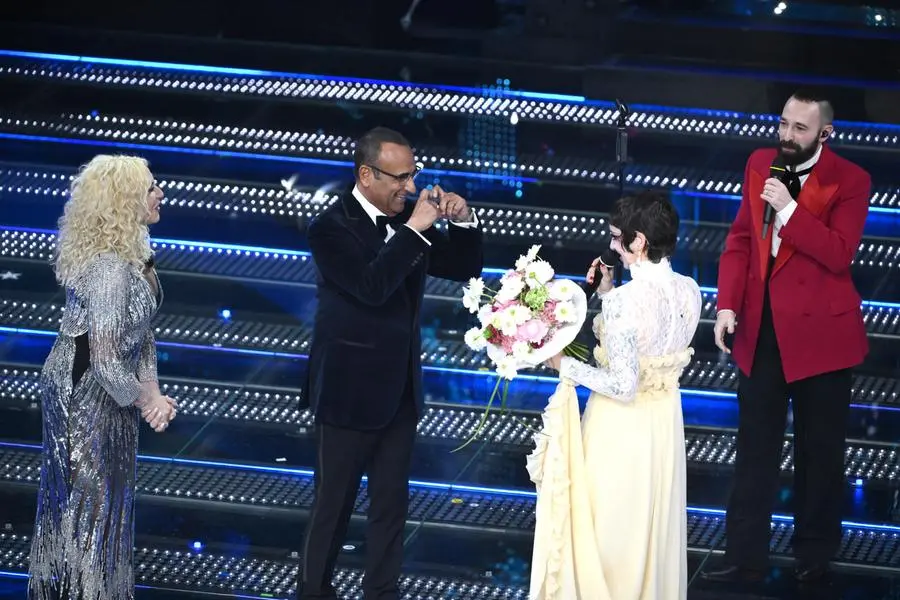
(84, 530)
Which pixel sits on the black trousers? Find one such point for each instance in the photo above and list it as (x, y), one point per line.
(343, 456)
(821, 406)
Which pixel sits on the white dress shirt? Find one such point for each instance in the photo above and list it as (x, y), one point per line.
(374, 212)
(783, 215)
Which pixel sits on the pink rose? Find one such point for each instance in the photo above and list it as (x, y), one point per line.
(532, 331)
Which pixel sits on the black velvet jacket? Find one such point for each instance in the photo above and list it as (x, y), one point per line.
(366, 339)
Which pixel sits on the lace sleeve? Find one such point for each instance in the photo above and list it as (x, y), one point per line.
(619, 378)
(147, 364)
(106, 290)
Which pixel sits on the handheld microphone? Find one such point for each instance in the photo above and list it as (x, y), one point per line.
(610, 259)
(778, 170)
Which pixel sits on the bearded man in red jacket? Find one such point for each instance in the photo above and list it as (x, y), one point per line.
(786, 294)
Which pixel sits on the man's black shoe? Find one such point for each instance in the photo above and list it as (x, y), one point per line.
(810, 572)
(734, 575)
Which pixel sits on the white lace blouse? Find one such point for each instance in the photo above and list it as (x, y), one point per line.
(654, 314)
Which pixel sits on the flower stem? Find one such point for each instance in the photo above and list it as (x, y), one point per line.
(487, 409)
(576, 350)
(504, 409)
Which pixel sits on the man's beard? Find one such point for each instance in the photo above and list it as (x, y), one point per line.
(799, 155)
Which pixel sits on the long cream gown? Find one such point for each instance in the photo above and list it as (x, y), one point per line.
(611, 490)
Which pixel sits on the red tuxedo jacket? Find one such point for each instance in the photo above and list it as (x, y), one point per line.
(815, 307)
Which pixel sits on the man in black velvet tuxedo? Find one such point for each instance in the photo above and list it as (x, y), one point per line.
(373, 251)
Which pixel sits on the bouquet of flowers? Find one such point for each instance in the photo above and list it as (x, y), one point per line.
(530, 319)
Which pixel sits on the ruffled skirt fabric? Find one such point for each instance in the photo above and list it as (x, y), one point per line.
(611, 507)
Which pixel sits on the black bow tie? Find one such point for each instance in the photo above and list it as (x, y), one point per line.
(382, 222)
(792, 181)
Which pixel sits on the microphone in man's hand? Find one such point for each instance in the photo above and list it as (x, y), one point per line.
(778, 171)
(610, 259)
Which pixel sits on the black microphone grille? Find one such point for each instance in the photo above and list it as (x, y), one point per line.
(610, 258)
(778, 169)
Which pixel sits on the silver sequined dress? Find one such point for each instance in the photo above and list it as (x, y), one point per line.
(84, 530)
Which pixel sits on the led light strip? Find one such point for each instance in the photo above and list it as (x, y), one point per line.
(192, 568)
(228, 197)
(520, 224)
(253, 198)
(333, 149)
(252, 262)
(872, 309)
(39, 244)
(701, 378)
(259, 404)
(249, 198)
(448, 487)
(260, 339)
(878, 316)
(486, 100)
(241, 155)
(276, 201)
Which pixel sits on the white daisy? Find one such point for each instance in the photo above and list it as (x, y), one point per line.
(565, 312)
(475, 339)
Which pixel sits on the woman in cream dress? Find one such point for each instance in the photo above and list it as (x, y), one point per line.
(611, 522)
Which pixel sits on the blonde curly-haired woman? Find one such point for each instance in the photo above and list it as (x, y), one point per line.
(99, 378)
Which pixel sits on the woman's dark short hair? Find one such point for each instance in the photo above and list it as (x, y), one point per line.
(651, 213)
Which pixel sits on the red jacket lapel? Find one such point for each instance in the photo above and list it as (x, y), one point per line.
(817, 193)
